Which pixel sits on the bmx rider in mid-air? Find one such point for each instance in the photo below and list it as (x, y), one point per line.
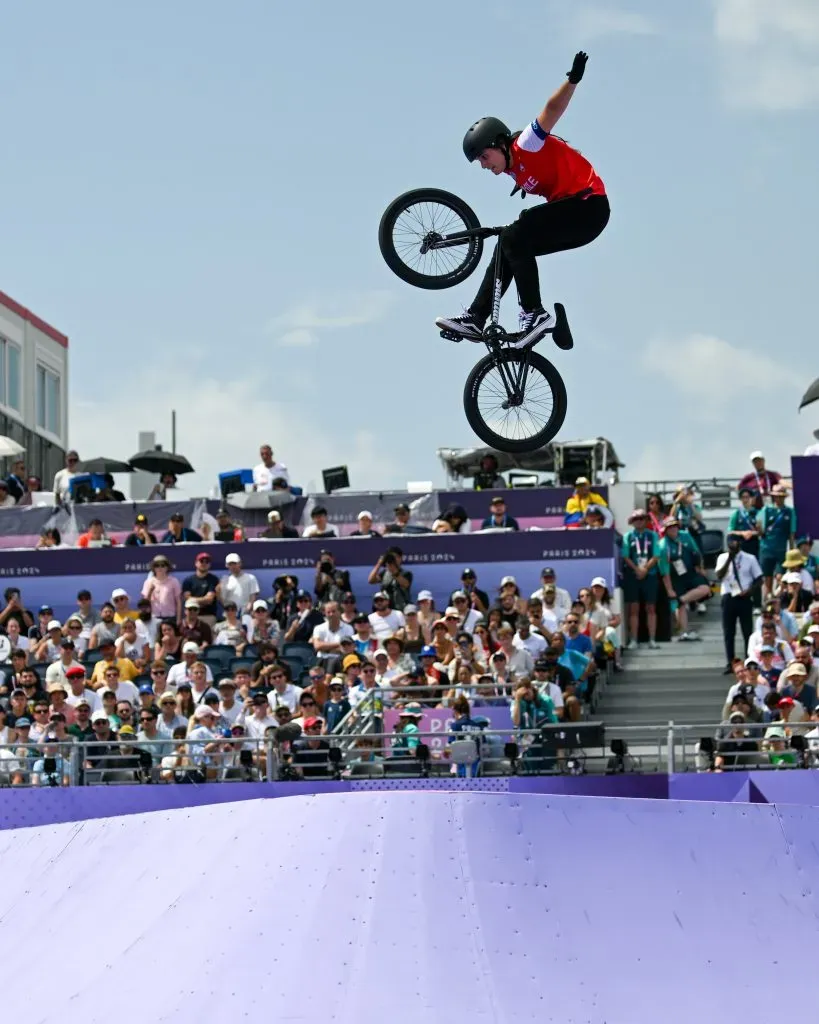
(576, 211)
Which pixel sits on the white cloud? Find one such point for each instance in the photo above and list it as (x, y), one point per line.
(590, 22)
(714, 372)
(298, 338)
(768, 53)
(220, 424)
(298, 325)
(729, 401)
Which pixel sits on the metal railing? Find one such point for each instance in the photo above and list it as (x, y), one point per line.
(585, 747)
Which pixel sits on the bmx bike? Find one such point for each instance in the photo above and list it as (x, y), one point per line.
(514, 398)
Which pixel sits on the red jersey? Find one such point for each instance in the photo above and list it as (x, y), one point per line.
(547, 166)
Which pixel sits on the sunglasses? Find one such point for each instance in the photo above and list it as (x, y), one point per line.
(202, 560)
(159, 671)
(120, 599)
(146, 718)
(277, 675)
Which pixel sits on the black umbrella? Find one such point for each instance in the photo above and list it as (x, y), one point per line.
(810, 395)
(155, 460)
(103, 466)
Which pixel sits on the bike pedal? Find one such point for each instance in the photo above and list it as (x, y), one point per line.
(451, 336)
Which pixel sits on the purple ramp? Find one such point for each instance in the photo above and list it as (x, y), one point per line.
(412, 907)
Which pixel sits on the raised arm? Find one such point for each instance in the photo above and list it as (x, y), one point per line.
(556, 106)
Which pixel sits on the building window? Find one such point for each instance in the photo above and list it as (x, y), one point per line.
(48, 400)
(9, 375)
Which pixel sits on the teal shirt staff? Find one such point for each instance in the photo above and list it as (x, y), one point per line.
(777, 527)
(641, 547)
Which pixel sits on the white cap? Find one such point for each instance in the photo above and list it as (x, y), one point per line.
(813, 629)
(189, 647)
(54, 624)
(751, 661)
(119, 592)
(259, 604)
(598, 581)
(508, 579)
(232, 559)
(452, 612)
(796, 668)
(273, 515)
(792, 577)
(756, 455)
(365, 514)
(99, 716)
(381, 651)
(425, 595)
(192, 603)
(204, 711)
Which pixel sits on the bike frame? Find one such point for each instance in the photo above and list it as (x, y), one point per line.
(514, 376)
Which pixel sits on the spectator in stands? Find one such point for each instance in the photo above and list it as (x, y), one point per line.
(683, 574)
(276, 528)
(384, 620)
(810, 565)
(794, 598)
(178, 533)
(268, 470)
(238, 585)
(320, 527)
(793, 683)
(6, 499)
(760, 481)
(687, 512)
(331, 583)
(15, 609)
(455, 519)
(106, 628)
(395, 581)
(122, 606)
(117, 674)
(737, 749)
(478, 599)
(78, 689)
(488, 477)
(401, 521)
(285, 589)
(499, 518)
(194, 628)
(57, 671)
(524, 639)
(573, 639)
(365, 529)
(581, 499)
(201, 586)
(86, 612)
(226, 529)
(805, 655)
(301, 625)
(551, 677)
(63, 477)
(560, 601)
(766, 637)
(159, 492)
(16, 480)
(743, 522)
(168, 647)
(95, 536)
(140, 536)
(49, 648)
(337, 707)
(531, 708)
(604, 618)
(641, 555)
(776, 526)
(595, 518)
(656, 512)
(36, 633)
(326, 638)
(81, 729)
(163, 590)
(520, 662)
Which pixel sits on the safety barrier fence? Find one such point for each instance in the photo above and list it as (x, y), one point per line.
(283, 755)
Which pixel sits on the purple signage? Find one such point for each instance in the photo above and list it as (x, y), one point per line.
(436, 560)
(805, 474)
(439, 720)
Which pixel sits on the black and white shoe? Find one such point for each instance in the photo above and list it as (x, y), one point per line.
(467, 325)
(532, 327)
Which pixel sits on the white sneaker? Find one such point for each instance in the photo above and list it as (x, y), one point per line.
(653, 645)
(631, 645)
(532, 327)
(467, 325)
(693, 634)
(701, 609)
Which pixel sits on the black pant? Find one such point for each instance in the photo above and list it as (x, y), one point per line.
(736, 610)
(550, 227)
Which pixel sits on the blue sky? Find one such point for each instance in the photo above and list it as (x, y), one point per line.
(192, 193)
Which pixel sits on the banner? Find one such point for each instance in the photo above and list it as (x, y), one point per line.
(439, 721)
(436, 561)
(805, 475)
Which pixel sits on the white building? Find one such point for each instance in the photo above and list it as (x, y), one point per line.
(33, 388)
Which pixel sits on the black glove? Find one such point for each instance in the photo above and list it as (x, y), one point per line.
(578, 67)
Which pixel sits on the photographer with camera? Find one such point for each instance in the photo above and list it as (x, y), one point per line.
(395, 582)
(52, 769)
(283, 605)
(301, 624)
(331, 583)
(533, 710)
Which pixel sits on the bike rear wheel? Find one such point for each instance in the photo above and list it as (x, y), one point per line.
(533, 414)
(414, 218)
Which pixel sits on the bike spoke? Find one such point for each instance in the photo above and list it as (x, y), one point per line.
(516, 422)
(418, 221)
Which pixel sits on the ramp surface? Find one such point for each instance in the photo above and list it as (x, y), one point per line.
(419, 907)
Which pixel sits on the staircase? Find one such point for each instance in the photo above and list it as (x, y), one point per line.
(680, 683)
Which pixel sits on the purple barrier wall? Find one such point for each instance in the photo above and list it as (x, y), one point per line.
(436, 560)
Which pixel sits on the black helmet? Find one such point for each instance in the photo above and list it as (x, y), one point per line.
(484, 133)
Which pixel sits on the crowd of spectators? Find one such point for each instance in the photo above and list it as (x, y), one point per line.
(209, 667)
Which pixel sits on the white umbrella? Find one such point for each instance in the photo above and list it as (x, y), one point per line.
(8, 447)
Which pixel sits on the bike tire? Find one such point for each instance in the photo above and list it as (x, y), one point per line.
(473, 250)
(484, 430)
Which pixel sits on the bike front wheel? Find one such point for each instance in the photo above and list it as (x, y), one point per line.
(414, 219)
(515, 400)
